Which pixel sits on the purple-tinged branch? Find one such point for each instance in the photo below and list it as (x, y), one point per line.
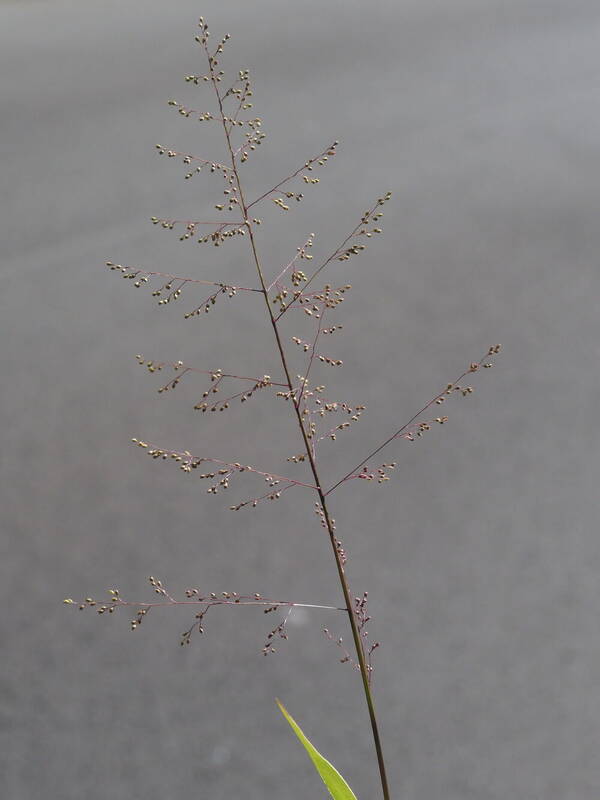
(205, 602)
(138, 271)
(329, 151)
(171, 290)
(189, 157)
(312, 354)
(342, 252)
(179, 365)
(300, 254)
(437, 399)
(169, 223)
(189, 462)
(217, 376)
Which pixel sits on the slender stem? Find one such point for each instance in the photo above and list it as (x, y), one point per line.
(321, 494)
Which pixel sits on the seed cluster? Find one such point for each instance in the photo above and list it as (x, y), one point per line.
(322, 519)
(278, 632)
(362, 618)
(380, 474)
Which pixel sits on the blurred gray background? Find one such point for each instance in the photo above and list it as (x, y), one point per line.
(482, 556)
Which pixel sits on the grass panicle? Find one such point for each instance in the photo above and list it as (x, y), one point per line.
(305, 361)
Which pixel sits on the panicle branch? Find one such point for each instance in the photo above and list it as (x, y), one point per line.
(223, 232)
(297, 277)
(170, 289)
(320, 160)
(189, 463)
(309, 404)
(346, 249)
(202, 163)
(204, 601)
(409, 430)
(216, 377)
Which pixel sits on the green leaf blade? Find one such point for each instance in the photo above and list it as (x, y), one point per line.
(336, 785)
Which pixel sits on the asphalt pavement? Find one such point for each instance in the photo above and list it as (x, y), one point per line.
(481, 555)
